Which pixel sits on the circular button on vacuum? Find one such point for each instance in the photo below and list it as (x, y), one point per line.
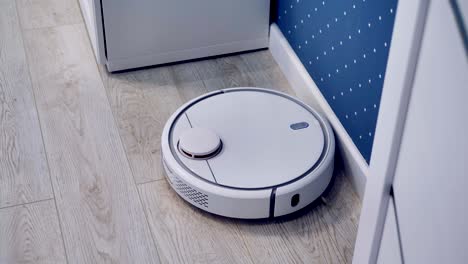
(199, 143)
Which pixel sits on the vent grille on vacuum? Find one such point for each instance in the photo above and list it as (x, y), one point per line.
(190, 193)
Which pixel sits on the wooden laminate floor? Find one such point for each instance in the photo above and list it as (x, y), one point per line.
(80, 173)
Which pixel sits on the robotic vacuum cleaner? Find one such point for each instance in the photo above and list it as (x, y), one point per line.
(248, 153)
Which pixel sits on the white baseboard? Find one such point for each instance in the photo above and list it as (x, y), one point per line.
(305, 88)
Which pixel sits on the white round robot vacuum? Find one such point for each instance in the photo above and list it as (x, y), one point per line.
(248, 153)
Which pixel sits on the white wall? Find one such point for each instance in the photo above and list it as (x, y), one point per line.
(431, 177)
(91, 10)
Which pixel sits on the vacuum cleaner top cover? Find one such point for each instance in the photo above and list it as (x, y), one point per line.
(250, 139)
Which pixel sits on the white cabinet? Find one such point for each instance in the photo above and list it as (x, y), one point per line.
(389, 252)
(421, 142)
(431, 177)
(147, 32)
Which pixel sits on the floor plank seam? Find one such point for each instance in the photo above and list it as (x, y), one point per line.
(127, 159)
(23, 204)
(251, 257)
(133, 176)
(49, 27)
(42, 135)
(149, 225)
(151, 181)
(199, 77)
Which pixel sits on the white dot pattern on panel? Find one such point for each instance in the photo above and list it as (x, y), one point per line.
(344, 46)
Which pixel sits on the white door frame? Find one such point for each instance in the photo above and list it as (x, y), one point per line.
(404, 50)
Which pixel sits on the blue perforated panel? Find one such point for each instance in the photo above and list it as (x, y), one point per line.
(344, 46)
